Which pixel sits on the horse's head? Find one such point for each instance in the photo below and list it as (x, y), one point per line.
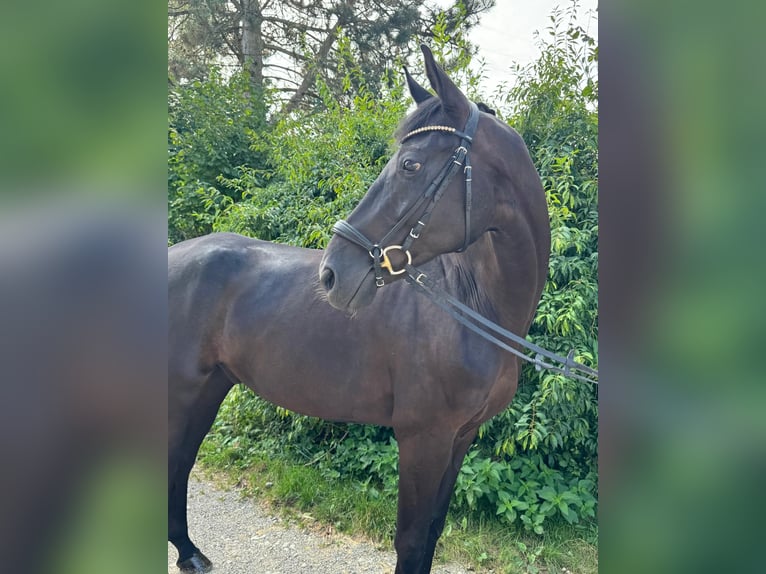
(437, 194)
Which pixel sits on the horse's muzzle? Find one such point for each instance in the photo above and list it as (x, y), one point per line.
(347, 282)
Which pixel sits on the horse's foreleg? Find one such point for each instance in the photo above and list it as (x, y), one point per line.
(462, 443)
(191, 412)
(424, 459)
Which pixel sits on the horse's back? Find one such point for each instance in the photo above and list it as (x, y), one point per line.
(217, 253)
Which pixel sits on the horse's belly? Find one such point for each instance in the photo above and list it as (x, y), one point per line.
(307, 377)
(311, 394)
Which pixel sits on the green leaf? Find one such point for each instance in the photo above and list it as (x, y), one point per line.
(547, 493)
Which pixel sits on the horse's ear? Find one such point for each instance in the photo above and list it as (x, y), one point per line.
(455, 103)
(418, 92)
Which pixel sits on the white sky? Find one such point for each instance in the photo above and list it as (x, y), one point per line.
(506, 33)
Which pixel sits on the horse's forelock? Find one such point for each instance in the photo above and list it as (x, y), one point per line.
(427, 113)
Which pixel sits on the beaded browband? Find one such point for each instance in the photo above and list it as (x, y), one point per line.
(427, 129)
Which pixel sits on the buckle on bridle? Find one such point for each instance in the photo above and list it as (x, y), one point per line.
(419, 227)
(386, 263)
(459, 155)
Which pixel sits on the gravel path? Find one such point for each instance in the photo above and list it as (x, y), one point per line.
(241, 538)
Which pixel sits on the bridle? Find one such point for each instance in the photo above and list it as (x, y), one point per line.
(459, 311)
(425, 203)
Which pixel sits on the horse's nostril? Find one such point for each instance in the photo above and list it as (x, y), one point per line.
(328, 278)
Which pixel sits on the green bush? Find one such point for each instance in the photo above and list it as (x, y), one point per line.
(323, 164)
(211, 129)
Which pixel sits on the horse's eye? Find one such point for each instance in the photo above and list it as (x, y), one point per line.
(409, 165)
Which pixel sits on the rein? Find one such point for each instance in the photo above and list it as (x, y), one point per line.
(475, 322)
(490, 331)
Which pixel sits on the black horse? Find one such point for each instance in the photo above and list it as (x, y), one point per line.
(248, 311)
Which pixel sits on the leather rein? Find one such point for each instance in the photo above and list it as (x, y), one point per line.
(542, 359)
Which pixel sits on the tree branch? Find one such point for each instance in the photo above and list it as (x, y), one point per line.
(278, 66)
(289, 24)
(280, 49)
(308, 76)
(282, 79)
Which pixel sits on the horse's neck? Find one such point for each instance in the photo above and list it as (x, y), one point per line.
(493, 277)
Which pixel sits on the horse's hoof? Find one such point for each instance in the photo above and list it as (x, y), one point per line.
(196, 564)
